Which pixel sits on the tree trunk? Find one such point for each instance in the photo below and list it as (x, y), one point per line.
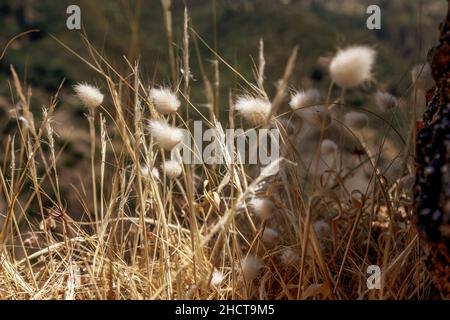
(432, 189)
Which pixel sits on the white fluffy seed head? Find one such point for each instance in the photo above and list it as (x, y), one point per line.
(262, 207)
(164, 100)
(352, 66)
(289, 257)
(322, 229)
(217, 278)
(251, 266)
(315, 115)
(89, 95)
(155, 174)
(421, 76)
(166, 136)
(254, 110)
(269, 236)
(305, 98)
(328, 147)
(385, 101)
(144, 171)
(172, 169)
(356, 120)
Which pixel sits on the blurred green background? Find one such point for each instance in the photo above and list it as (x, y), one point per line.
(233, 27)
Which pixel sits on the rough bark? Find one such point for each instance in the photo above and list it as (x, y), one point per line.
(432, 189)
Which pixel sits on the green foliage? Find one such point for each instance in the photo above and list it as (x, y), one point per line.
(239, 26)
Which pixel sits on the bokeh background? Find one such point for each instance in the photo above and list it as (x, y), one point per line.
(134, 30)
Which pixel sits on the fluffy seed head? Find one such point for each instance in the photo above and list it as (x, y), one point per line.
(254, 110)
(155, 174)
(315, 115)
(251, 267)
(165, 135)
(262, 207)
(172, 169)
(289, 257)
(269, 236)
(145, 172)
(89, 95)
(385, 101)
(356, 120)
(217, 278)
(164, 100)
(322, 229)
(328, 147)
(352, 66)
(305, 98)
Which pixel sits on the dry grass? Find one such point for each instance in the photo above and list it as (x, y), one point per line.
(138, 237)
